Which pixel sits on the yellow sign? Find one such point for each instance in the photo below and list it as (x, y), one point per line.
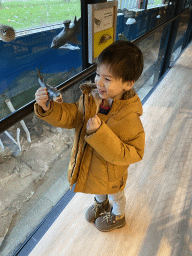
(102, 39)
(102, 22)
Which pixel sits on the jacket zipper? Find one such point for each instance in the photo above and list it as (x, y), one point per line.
(78, 142)
(81, 159)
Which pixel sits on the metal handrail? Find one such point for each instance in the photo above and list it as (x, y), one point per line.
(24, 111)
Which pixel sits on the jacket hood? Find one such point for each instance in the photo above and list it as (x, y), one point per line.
(130, 102)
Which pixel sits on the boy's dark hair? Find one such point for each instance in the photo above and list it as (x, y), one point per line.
(124, 59)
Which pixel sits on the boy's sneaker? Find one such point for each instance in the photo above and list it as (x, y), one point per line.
(97, 209)
(110, 221)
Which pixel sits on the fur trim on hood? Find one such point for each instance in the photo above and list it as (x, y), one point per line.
(89, 87)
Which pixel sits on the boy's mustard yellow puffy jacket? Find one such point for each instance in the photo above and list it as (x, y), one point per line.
(99, 160)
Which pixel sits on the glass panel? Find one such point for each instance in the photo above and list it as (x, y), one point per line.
(187, 3)
(154, 2)
(136, 22)
(128, 4)
(34, 179)
(31, 50)
(34, 13)
(150, 48)
(159, 13)
(131, 25)
(183, 23)
(38, 173)
(33, 174)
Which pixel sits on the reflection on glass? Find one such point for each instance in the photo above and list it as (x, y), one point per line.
(150, 48)
(183, 23)
(32, 50)
(154, 2)
(22, 89)
(33, 177)
(29, 14)
(130, 4)
(187, 3)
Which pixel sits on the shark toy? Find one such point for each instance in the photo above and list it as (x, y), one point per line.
(68, 34)
(53, 93)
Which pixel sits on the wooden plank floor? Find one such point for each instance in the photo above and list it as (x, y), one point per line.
(158, 190)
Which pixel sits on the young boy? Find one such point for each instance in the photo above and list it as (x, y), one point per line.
(109, 135)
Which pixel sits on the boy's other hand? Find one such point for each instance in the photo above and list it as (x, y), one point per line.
(41, 97)
(93, 123)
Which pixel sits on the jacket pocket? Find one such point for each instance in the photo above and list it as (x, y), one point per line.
(111, 171)
(116, 172)
(120, 171)
(117, 176)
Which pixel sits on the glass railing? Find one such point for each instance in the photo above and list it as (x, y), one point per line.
(154, 3)
(33, 175)
(152, 62)
(183, 24)
(34, 49)
(34, 156)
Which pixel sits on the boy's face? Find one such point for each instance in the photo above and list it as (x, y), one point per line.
(108, 86)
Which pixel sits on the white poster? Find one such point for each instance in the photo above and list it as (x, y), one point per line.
(103, 19)
(102, 22)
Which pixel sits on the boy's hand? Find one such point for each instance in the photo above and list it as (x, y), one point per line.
(41, 97)
(93, 123)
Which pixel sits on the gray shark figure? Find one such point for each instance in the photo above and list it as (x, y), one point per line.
(68, 34)
(53, 93)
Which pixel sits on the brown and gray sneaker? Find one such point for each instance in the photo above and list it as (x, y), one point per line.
(97, 209)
